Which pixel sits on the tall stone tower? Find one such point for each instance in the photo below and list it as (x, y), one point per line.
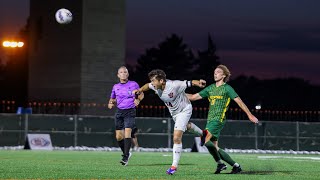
(76, 62)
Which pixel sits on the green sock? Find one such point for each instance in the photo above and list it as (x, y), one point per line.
(225, 156)
(213, 151)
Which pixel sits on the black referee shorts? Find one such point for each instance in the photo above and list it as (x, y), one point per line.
(125, 118)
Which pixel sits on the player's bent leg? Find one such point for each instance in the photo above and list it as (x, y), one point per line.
(213, 151)
(212, 148)
(194, 129)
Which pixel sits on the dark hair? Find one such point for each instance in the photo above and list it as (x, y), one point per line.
(158, 74)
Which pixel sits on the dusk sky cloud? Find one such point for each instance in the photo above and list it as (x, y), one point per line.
(266, 39)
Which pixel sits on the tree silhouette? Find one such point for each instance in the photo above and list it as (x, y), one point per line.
(206, 62)
(178, 61)
(172, 55)
(278, 94)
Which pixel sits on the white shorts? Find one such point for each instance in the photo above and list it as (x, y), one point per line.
(181, 119)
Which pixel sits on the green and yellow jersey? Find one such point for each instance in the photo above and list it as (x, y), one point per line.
(219, 100)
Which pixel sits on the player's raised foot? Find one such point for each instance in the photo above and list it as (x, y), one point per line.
(236, 170)
(171, 170)
(203, 137)
(125, 159)
(220, 167)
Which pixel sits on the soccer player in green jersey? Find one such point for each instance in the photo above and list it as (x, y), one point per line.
(219, 95)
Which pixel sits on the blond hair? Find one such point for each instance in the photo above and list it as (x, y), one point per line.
(226, 72)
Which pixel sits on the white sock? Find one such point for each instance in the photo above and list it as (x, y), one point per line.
(236, 165)
(195, 129)
(176, 154)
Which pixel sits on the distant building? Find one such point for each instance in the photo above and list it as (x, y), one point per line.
(76, 62)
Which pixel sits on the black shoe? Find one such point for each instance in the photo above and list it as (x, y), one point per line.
(236, 170)
(203, 137)
(125, 159)
(220, 167)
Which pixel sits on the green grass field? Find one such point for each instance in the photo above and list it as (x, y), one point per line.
(24, 164)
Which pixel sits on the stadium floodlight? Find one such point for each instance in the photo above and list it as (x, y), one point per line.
(12, 44)
(20, 44)
(258, 107)
(6, 43)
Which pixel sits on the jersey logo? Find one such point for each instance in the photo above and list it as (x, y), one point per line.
(170, 95)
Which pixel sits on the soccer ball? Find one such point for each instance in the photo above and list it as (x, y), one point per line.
(63, 16)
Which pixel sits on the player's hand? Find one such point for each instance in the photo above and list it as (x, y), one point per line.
(136, 102)
(136, 92)
(110, 106)
(253, 119)
(202, 83)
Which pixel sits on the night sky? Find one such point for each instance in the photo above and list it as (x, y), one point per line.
(266, 39)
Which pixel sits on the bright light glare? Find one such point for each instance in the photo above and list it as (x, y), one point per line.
(12, 44)
(20, 44)
(6, 44)
(258, 106)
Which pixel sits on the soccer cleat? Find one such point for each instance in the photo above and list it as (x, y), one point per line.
(220, 167)
(171, 170)
(125, 159)
(236, 170)
(203, 137)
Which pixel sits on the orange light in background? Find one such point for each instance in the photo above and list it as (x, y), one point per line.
(12, 44)
(6, 43)
(20, 44)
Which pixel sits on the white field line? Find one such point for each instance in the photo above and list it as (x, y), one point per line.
(289, 157)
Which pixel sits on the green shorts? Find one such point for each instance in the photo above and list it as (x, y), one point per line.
(215, 127)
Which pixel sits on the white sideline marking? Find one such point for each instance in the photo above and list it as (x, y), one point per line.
(288, 157)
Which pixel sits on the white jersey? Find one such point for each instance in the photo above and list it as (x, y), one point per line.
(174, 96)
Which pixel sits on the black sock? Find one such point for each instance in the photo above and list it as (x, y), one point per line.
(127, 146)
(121, 145)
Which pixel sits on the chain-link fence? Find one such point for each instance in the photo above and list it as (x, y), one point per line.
(98, 131)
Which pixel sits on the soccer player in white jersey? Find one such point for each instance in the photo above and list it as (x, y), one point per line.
(172, 93)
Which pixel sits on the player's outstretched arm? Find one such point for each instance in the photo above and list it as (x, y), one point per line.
(200, 83)
(193, 97)
(241, 104)
(142, 89)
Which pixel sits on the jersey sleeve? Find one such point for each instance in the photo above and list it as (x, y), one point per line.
(135, 85)
(205, 92)
(180, 85)
(231, 92)
(113, 93)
